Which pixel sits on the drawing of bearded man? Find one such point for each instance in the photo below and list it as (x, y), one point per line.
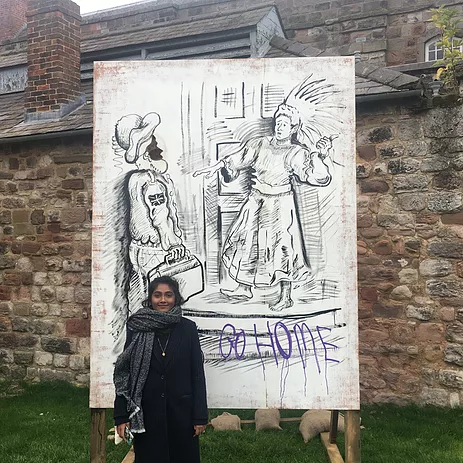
(153, 226)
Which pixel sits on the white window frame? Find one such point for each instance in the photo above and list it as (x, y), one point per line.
(433, 43)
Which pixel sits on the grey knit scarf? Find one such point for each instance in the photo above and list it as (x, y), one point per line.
(132, 366)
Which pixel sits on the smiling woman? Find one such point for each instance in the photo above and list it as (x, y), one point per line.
(163, 299)
(159, 380)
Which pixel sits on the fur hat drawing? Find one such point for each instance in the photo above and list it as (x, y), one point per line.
(133, 134)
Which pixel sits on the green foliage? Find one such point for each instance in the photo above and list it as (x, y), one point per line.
(447, 21)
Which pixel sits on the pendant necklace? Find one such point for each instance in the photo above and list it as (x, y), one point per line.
(163, 350)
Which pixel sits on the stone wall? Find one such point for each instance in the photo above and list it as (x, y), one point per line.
(410, 253)
(410, 250)
(386, 32)
(45, 250)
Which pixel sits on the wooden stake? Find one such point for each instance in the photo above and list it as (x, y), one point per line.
(352, 437)
(285, 420)
(332, 449)
(130, 457)
(98, 435)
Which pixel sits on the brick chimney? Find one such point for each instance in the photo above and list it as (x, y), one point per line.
(53, 58)
(12, 17)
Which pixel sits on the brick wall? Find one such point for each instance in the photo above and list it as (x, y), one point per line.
(410, 253)
(407, 34)
(12, 17)
(53, 55)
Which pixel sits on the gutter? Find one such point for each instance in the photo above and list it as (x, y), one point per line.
(46, 136)
(388, 96)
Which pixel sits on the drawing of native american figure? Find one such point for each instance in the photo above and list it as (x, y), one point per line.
(265, 245)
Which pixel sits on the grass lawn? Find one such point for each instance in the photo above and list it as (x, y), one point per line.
(49, 423)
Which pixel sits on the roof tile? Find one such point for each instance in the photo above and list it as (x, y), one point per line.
(12, 106)
(211, 24)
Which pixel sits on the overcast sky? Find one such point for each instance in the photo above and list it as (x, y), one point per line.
(87, 6)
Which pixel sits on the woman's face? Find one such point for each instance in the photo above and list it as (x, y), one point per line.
(283, 128)
(163, 298)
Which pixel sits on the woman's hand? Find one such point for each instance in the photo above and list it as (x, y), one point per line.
(208, 172)
(176, 253)
(323, 146)
(199, 428)
(120, 430)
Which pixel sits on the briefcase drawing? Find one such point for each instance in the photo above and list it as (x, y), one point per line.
(188, 271)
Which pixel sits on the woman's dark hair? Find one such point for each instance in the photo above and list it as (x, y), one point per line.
(169, 281)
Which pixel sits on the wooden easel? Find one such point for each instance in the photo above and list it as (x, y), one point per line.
(97, 435)
(352, 438)
(98, 438)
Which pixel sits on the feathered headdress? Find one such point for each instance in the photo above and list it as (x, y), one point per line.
(313, 102)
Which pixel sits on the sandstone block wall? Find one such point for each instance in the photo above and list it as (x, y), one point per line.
(387, 32)
(45, 260)
(410, 255)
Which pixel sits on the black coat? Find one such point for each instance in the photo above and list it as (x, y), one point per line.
(173, 401)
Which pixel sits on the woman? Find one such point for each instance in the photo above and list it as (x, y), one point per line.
(159, 380)
(265, 245)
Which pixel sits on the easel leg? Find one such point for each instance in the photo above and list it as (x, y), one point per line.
(98, 435)
(334, 426)
(352, 437)
(130, 457)
(329, 439)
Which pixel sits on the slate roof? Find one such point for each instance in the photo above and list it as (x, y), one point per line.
(285, 48)
(369, 79)
(13, 59)
(12, 105)
(219, 22)
(12, 116)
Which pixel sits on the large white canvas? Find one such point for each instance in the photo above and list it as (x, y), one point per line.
(279, 218)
